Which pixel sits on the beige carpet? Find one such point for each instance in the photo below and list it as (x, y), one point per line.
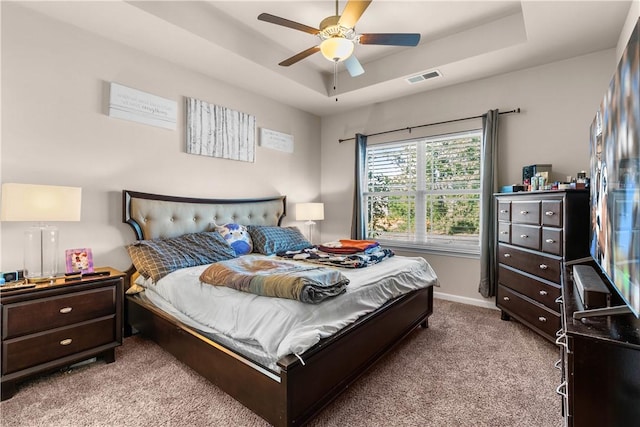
(468, 369)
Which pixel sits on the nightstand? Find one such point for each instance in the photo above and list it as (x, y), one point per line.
(59, 323)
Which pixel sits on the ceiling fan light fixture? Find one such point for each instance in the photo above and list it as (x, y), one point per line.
(336, 49)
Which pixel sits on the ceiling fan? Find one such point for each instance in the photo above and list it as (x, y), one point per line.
(338, 36)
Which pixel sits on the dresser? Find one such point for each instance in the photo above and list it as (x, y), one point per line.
(58, 323)
(536, 232)
(600, 362)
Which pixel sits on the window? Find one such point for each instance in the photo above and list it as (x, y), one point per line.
(425, 192)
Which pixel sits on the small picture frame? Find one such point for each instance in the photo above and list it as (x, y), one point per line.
(79, 260)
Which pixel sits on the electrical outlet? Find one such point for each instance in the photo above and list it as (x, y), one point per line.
(12, 276)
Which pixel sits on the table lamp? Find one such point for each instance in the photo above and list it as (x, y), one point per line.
(310, 212)
(41, 204)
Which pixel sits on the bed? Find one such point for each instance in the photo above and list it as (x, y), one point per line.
(299, 385)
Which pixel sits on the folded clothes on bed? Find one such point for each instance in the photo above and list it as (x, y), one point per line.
(276, 278)
(356, 260)
(349, 246)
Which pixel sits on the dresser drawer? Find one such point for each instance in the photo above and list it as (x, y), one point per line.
(552, 241)
(47, 313)
(32, 350)
(552, 213)
(529, 311)
(527, 236)
(541, 292)
(504, 211)
(504, 232)
(525, 212)
(539, 265)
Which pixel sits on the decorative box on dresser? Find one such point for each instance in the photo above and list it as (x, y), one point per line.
(537, 232)
(59, 323)
(600, 363)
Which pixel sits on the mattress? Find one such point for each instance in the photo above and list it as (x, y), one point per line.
(266, 329)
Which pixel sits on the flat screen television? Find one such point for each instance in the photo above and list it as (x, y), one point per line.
(615, 179)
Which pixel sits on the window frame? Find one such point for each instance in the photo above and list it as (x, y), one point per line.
(421, 193)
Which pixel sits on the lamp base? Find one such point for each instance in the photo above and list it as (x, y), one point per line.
(41, 253)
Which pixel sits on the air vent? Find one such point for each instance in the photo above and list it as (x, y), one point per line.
(425, 76)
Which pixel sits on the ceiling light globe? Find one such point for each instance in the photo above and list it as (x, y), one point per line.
(336, 49)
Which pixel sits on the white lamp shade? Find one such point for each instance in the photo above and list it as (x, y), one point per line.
(336, 48)
(40, 203)
(309, 211)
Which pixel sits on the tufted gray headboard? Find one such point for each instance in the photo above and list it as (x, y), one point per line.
(155, 216)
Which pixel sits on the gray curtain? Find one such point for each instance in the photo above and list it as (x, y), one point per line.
(488, 180)
(358, 222)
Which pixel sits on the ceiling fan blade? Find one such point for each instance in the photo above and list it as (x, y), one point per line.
(266, 17)
(352, 12)
(353, 66)
(391, 39)
(300, 56)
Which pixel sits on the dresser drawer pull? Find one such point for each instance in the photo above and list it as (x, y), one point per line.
(543, 266)
(550, 241)
(504, 232)
(504, 211)
(543, 293)
(558, 364)
(507, 255)
(506, 298)
(66, 342)
(542, 319)
(523, 236)
(524, 212)
(549, 213)
(560, 387)
(65, 310)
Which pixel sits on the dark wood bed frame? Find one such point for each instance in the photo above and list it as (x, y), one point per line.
(299, 391)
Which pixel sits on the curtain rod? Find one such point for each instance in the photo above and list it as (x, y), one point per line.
(515, 110)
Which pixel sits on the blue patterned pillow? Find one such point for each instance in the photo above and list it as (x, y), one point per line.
(237, 236)
(268, 239)
(158, 257)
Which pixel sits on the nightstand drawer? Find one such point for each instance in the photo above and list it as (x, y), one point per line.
(32, 350)
(531, 312)
(47, 313)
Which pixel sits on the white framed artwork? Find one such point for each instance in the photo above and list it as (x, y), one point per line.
(221, 132)
(276, 140)
(142, 107)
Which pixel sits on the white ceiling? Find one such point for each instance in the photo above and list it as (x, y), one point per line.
(464, 40)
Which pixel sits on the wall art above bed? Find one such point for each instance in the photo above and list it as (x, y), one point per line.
(217, 131)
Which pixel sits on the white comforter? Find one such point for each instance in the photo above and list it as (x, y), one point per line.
(281, 326)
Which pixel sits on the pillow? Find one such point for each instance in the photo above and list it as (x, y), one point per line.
(237, 237)
(156, 258)
(268, 239)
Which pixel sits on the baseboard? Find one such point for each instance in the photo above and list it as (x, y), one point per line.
(466, 300)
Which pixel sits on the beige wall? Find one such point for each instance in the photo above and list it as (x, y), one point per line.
(558, 103)
(55, 82)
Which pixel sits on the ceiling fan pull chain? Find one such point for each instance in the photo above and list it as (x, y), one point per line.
(335, 77)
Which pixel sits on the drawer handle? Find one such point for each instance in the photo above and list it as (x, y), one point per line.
(506, 298)
(523, 236)
(558, 364)
(560, 387)
(543, 293)
(549, 213)
(543, 266)
(504, 232)
(504, 211)
(524, 212)
(66, 342)
(542, 319)
(65, 310)
(507, 255)
(550, 241)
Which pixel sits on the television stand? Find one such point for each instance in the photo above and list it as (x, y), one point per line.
(605, 311)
